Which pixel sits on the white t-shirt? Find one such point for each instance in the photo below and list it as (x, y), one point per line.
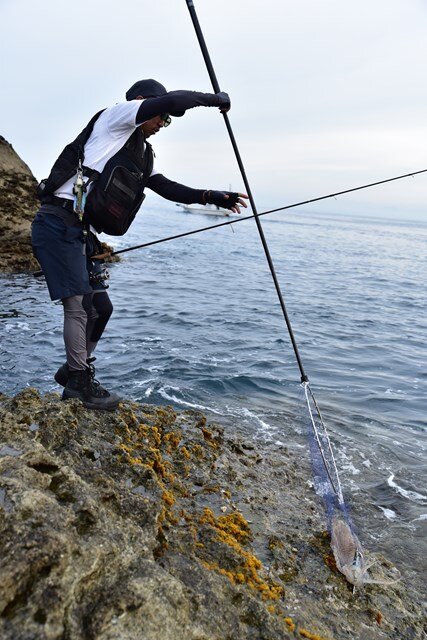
(111, 131)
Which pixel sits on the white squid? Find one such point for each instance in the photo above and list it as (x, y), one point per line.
(349, 556)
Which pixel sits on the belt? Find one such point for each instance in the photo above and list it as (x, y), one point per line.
(59, 202)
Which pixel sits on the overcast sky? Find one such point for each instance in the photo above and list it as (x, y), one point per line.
(326, 94)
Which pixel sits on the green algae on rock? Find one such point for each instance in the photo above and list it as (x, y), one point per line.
(153, 524)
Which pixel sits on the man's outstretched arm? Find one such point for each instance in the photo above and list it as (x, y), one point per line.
(186, 195)
(177, 102)
(175, 191)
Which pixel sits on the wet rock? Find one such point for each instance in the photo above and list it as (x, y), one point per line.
(9, 451)
(147, 523)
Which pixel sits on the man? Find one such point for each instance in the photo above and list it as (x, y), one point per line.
(97, 184)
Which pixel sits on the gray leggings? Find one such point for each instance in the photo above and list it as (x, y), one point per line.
(85, 318)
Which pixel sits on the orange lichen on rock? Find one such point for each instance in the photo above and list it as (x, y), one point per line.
(142, 443)
(197, 451)
(159, 465)
(379, 617)
(212, 488)
(233, 525)
(185, 453)
(128, 457)
(234, 578)
(128, 416)
(291, 624)
(201, 422)
(233, 530)
(148, 444)
(168, 498)
(208, 436)
(311, 636)
(172, 439)
(165, 418)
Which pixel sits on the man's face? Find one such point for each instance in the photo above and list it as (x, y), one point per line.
(150, 127)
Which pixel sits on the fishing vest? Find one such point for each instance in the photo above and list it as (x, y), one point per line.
(116, 194)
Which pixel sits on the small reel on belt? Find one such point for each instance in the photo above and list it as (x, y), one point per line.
(98, 276)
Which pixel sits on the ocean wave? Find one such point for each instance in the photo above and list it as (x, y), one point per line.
(247, 413)
(193, 405)
(405, 493)
(389, 513)
(422, 517)
(141, 383)
(16, 327)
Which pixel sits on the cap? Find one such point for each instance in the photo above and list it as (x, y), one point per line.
(149, 89)
(146, 88)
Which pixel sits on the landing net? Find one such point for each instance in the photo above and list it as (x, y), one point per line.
(325, 473)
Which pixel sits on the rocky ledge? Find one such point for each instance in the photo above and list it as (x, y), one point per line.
(18, 206)
(150, 524)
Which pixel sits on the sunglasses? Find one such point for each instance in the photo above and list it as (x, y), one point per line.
(166, 119)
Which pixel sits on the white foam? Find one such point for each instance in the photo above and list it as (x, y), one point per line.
(347, 464)
(142, 383)
(351, 469)
(16, 326)
(410, 495)
(249, 414)
(155, 368)
(173, 398)
(423, 516)
(389, 513)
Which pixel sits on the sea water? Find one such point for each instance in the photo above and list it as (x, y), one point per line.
(197, 324)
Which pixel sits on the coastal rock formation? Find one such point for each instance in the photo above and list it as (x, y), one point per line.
(18, 205)
(151, 524)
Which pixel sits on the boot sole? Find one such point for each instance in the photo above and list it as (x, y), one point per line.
(91, 405)
(96, 407)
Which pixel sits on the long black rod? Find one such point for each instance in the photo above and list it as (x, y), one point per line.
(217, 89)
(263, 213)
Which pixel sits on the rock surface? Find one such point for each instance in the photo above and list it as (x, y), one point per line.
(18, 205)
(149, 524)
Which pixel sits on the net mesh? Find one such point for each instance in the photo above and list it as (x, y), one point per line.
(325, 473)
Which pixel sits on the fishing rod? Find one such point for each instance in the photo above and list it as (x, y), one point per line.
(250, 217)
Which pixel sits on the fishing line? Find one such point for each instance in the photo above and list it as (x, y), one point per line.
(318, 427)
(251, 217)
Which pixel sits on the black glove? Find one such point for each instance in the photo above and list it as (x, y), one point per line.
(225, 103)
(224, 199)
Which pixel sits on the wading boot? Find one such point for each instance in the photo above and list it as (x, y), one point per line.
(82, 385)
(61, 376)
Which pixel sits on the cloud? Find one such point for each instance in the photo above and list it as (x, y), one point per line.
(322, 92)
